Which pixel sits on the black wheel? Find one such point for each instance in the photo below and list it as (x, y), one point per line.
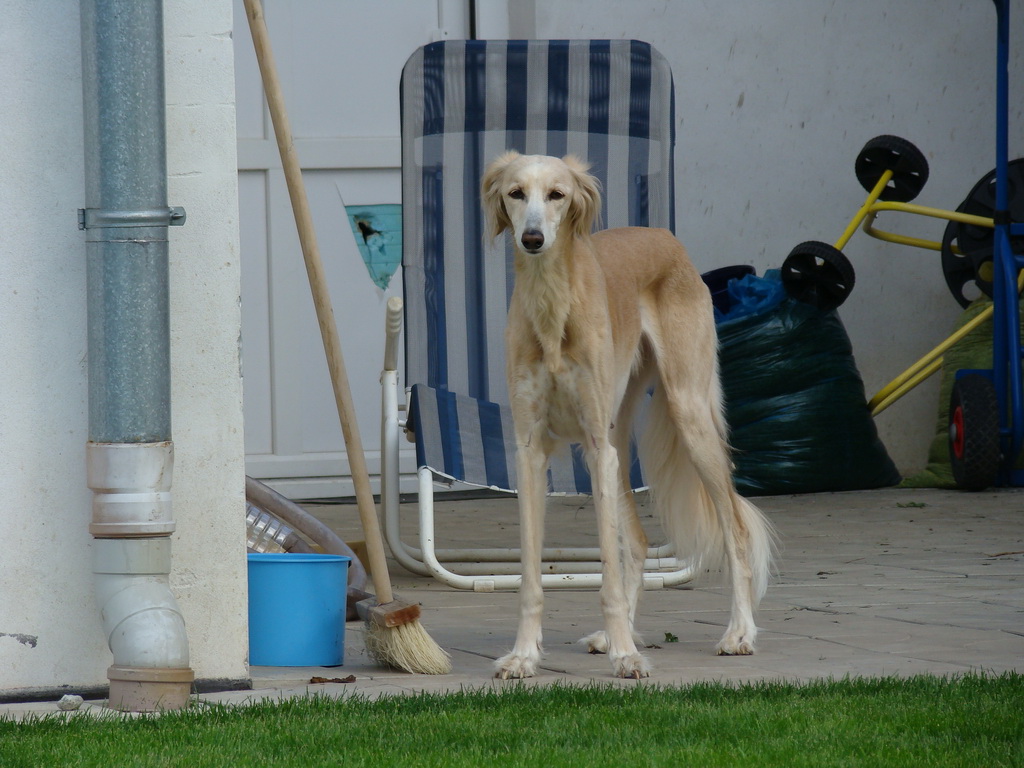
(974, 432)
(819, 274)
(968, 274)
(891, 153)
(967, 249)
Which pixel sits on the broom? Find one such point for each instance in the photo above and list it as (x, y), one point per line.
(394, 635)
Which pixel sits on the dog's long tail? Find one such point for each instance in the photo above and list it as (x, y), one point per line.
(684, 504)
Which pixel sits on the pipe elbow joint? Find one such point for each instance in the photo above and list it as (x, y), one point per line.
(141, 618)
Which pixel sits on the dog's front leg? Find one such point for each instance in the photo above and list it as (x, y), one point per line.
(616, 604)
(531, 466)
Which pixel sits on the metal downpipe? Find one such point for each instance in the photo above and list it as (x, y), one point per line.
(130, 454)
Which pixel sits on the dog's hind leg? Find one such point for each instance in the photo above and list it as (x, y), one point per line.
(751, 544)
(626, 660)
(632, 537)
(633, 552)
(716, 524)
(747, 534)
(531, 466)
(742, 530)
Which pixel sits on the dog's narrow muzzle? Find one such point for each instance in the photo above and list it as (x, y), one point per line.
(532, 240)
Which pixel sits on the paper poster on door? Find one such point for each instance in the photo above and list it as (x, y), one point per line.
(378, 234)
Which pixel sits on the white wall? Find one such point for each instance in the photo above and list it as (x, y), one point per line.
(774, 100)
(50, 634)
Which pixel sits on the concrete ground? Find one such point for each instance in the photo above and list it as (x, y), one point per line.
(869, 583)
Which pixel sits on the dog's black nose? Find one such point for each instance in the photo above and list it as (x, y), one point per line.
(532, 239)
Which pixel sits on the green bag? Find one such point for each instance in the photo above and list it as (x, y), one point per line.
(795, 404)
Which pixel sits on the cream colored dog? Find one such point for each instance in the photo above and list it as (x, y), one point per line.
(594, 322)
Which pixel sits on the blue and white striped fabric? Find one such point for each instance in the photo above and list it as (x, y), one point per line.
(472, 441)
(610, 102)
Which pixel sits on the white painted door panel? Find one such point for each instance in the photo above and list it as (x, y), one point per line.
(340, 63)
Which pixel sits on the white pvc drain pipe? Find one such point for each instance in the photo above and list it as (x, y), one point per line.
(130, 457)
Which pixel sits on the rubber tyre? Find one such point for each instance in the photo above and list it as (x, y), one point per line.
(968, 274)
(891, 153)
(974, 452)
(818, 274)
(965, 273)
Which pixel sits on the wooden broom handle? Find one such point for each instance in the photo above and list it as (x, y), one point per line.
(322, 302)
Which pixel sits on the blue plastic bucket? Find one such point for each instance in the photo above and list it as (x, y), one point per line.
(297, 609)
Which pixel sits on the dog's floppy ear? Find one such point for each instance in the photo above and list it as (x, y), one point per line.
(585, 200)
(491, 196)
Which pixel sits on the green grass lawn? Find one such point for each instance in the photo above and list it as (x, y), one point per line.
(970, 721)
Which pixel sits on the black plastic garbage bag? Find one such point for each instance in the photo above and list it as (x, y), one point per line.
(795, 404)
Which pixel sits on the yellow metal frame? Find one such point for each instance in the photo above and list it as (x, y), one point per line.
(865, 219)
(928, 364)
(920, 210)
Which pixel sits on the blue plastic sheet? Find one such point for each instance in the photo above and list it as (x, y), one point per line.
(752, 295)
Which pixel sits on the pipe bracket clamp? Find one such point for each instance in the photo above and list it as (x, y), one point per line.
(100, 218)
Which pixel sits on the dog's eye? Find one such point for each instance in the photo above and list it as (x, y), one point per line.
(516, 194)
(554, 194)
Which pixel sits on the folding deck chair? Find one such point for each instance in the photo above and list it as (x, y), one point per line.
(463, 104)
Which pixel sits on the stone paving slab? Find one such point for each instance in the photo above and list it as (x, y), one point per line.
(885, 582)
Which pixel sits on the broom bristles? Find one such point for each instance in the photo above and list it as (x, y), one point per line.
(407, 647)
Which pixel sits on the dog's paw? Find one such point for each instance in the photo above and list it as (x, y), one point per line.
(737, 642)
(515, 667)
(596, 642)
(631, 666)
